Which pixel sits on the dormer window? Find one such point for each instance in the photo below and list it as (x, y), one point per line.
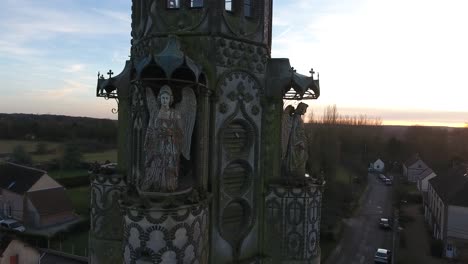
(228, 5)
(196, 3)
(173, 4)
(248, 10)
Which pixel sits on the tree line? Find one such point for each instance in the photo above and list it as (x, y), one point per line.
(355, 141)
(57, 128)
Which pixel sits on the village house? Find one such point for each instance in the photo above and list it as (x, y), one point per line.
(31, 196)
(20, 252)
(413, 168)
(423, 180)
(377, 166)
(447, 211)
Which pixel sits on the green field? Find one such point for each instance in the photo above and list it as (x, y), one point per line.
(59, 174)
(7, 146)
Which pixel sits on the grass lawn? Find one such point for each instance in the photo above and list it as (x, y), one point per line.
(343, 175)
(57, 174)
(100, 157)
(80, 198)
(7, 146)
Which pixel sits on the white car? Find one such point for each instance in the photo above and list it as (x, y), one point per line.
(384, 223)
(13, 225)
(383, 256)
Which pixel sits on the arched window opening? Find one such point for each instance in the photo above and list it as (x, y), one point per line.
(173, 4)
(228, 5)
(248, 9)
(196, 3)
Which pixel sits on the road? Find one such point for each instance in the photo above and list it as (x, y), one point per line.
(362, 235)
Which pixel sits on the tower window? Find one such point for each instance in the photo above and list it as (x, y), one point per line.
(248, 12)
(173, 4)
(228, 5)
(196, 3)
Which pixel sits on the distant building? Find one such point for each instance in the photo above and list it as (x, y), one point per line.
(413, 168)
(424, 178)
(447, 211)
(20, 252)
(378, 166)
(33, 197)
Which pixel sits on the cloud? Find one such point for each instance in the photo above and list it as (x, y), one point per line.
(74, 68)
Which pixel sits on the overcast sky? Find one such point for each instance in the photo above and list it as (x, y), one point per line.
(405, 61)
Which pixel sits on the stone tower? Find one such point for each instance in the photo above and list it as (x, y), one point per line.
(231, 201)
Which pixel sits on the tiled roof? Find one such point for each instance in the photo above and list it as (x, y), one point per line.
(411, 160)
(425, 173)
(452, 187)
(17, 178)
(51, 201)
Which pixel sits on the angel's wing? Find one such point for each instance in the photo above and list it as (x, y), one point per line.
(286, 126)
(188, 112)
(152, 103)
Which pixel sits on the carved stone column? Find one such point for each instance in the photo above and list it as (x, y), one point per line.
(105, 235)
(204, 138)
(293, 223)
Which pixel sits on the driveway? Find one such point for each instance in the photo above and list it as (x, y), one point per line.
(362, 235)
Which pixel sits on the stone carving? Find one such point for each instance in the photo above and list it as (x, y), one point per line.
(294, 214)
(166, 235)
(237, 53)
(294, 141)
(168, 136)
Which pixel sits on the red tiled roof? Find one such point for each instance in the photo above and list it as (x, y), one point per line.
(51, 201)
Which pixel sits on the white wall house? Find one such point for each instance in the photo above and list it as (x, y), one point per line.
(423, 179)
(33, 197)
(413, 168)
(378, 165)
(446, 212)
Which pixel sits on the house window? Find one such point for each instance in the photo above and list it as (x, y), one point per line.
(173, 4)
(228, 5)
(9, 210)
(248, 11)
(449, 247)
(196, 3)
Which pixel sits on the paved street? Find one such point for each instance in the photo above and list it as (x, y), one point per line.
(362, 235)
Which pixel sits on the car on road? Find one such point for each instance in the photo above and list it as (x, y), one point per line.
(384, 223)
(383, 256)
(12, 225)
(388, 181)
(382, 177)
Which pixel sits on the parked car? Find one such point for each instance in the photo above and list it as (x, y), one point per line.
(12, 225)
(388, 181)
(383, 256)
(382, 177)
(385, 223)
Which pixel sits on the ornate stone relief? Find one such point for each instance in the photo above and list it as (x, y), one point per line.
(238, 132)
(105, 213)
(243, 55)
(158, 235)
(295, 216)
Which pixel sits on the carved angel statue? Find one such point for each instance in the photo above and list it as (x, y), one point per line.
(294, 141)
(168, 136)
